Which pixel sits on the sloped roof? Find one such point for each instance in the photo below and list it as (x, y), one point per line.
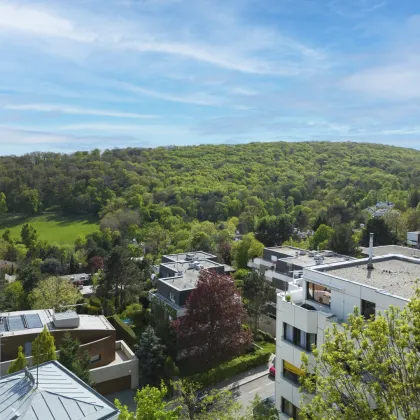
(51, 392)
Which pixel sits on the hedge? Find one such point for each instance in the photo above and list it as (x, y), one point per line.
(124, 332)
(266, 337)
(233, 367)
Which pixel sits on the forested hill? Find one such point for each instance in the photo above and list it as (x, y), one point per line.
(210, 182)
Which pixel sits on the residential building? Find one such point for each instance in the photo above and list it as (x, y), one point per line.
(177, 278)
(283, 267)
(327, 294)
(50, 391)
(113, 365)
(381, 208)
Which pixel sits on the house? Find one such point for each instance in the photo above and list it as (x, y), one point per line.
(113, 365)
(327, 294)
(50, 391)
(177, 278)
(283, 266)
(380, 208)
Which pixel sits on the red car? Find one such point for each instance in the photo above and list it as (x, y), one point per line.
(272, 370)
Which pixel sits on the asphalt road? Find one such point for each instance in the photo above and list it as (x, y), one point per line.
(263, 386)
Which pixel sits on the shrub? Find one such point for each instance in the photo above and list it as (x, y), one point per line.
(123, 331)
(233, 367)
(240, 274)
(95, 301)
(239, 284)
(93, 310)
(258, 337)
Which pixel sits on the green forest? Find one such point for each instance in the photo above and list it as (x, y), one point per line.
(230, 200)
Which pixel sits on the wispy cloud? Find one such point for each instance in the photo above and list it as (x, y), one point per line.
(194, 99)
(210, 71)
(64, 109)
(148, 38)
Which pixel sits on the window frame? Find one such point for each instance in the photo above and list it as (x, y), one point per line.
(367, 305)
(312, 289)
(311, 338)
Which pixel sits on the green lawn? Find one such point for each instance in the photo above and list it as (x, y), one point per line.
(52, 227)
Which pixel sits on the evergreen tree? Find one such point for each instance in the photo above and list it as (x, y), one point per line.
(19, 363)
(43, 347)
(151, 355)
(71, 358)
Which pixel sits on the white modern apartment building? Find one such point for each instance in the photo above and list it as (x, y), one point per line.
(328, 293)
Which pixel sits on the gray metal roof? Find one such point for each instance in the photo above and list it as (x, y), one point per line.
(57, 394)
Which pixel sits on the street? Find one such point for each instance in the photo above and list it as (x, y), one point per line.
(263, 386)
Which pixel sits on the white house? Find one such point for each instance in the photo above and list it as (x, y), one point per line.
(327, 294)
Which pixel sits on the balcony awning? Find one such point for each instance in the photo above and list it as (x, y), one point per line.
(292, 368)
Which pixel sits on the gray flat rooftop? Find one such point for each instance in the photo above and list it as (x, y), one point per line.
(307, 261)
(189, 277)
(195, 256)
(378, 251)
(45, 316)
(395, 274)
(51, 392)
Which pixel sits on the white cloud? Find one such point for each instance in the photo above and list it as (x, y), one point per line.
(37, 22)
(238, 50)
(76, 110)
(120, 128)
(394, 82)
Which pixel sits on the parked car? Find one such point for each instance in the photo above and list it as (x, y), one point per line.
(272, 370)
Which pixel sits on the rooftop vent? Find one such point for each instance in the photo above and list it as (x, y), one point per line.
(302, 252)
(188, 257)
(68, 319)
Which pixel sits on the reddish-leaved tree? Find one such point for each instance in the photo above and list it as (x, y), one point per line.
(212, 327)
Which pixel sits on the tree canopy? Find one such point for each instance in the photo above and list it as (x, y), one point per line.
(212, 328)
(367, 369)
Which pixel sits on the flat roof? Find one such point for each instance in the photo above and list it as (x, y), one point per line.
(307, 261)
(87, 322)
(195, 256)
(50, 391)
(379, 251)
(395, 274)
(189, 277)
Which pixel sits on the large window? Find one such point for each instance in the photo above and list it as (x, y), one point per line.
(318, 293)
(368, 309)
(298, 337)
(290, 410)
(292, 373)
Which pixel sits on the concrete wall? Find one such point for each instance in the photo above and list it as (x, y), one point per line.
(128, 367)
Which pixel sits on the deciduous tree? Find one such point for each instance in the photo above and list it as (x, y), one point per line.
(212, 327)
(368, 369)
(342, 241)
(150, 405)
(53, 292)
(257, 291)
(246, 249)
(29, 235)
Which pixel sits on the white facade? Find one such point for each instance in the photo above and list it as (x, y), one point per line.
(324, 298)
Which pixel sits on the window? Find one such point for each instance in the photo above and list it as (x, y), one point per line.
(368, 309)
(318, 293)
(96, 358)
(28, 349)
(172, 297)
(292, 373)
(290, 410)
(298, 337)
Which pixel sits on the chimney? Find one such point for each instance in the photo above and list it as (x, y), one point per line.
(370, 262)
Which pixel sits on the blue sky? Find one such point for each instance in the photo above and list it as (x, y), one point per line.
(81, 74)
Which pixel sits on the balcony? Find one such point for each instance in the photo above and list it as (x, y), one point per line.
(174, 309)
(297, 313)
